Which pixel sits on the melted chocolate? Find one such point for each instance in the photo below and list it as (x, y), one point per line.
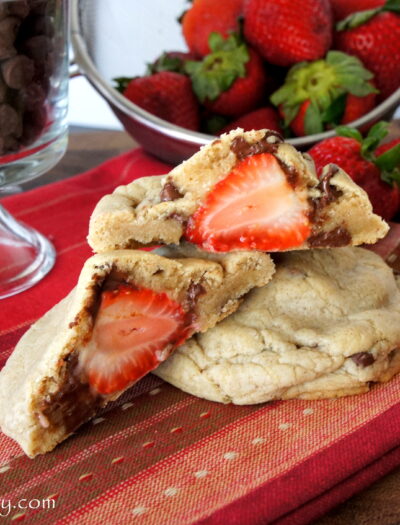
(333, 239)
(363, 359)
(170, 192)
(74, 403)
(329, 193)
(242, 149)
(194, 291)
(115, 279)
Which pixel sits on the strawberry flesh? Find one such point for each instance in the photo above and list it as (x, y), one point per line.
(253, 208)
(134, 331)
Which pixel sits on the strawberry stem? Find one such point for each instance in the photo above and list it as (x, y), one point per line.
(122, 83)
(219, 69)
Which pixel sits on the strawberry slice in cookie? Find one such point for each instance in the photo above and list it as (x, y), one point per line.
(135, 330)
(244, 191)
(129, 311)
(254, 208)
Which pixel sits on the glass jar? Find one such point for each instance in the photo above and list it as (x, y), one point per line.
(33, 87)
(34, 43)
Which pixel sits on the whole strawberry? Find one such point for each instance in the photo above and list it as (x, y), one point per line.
(206, 17)
(343, 8)
(167, 95)
(285, 32)
(374, 37)
(377, 171)
(321, 94)
(262, 118)
(231, 80)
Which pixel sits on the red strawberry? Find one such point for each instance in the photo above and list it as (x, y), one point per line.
(356, 107)
(386, 147)
(374, 37)
(262, 118)
(285, 32)
(135, 330)
(318, 95)
(231, 80)
(298, 124)
(253, 208)
(372, 169)
(343, 8)
(206, 17)
(167, 95)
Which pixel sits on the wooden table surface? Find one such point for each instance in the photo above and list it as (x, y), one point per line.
(380, 503)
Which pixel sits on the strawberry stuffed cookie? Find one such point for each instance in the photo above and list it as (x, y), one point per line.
(129, 311)
(245, 191)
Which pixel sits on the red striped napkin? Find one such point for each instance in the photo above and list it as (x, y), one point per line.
(159, 456)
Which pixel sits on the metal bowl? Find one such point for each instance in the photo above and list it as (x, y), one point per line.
(113, 38)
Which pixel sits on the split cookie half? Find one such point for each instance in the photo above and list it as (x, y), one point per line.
(129, 311)
(244, 191)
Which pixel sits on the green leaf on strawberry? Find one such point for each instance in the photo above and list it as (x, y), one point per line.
(323, 83)
(313, 119)
(350, 133)
(166, 62)
(334, 112)
(361, 17)
(387, 162)
(122, 83)
(218, 70)
(375, 136)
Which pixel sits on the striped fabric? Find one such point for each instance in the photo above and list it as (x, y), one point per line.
(159, 456)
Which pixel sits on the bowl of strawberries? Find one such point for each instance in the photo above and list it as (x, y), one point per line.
(178, 74)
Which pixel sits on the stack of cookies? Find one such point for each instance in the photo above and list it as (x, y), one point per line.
(258, 293)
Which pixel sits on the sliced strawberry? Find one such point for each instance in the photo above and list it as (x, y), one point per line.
(253, 208)
(135, 330)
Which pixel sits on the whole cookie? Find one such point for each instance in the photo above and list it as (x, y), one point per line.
(327, 325)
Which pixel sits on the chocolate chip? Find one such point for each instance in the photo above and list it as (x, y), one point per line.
(334, 239)
(17, 8)
(8, 144)
(33, 95)
(10, 120)
(37, 48)
(3, 90)
(363, 359)
(8, 31)
(17, 71)
(38, 7)
(33, 124)
(170, 193)
(9, 27)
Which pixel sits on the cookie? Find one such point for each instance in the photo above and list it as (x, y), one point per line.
(129, 311)
(244, 191)
(327, 325)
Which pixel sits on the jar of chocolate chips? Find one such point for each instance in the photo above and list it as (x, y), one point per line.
(33, 86)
